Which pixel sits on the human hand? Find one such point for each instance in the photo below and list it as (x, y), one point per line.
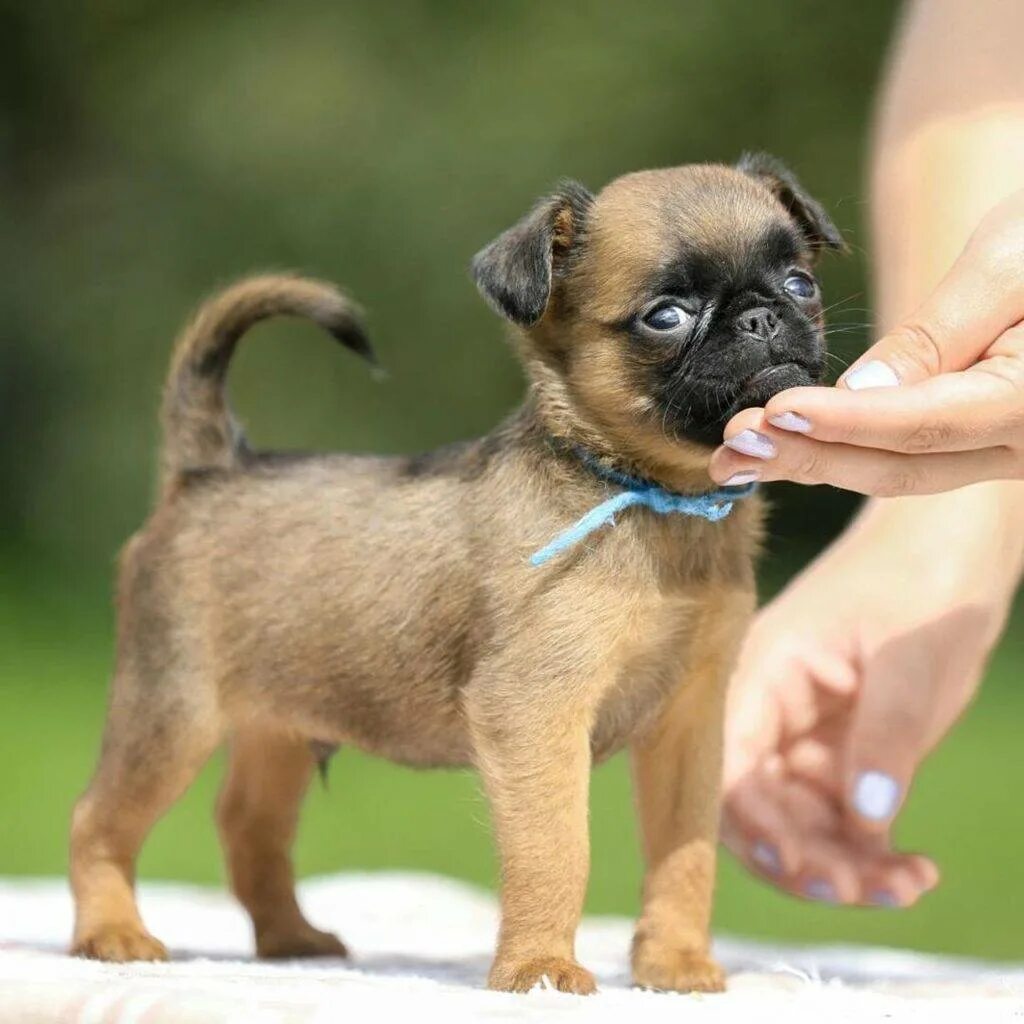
(845, 683)
(936, 404)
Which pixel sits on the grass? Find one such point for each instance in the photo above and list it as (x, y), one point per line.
(54, 657)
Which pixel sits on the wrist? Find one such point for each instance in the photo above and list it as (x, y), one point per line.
(966, 542)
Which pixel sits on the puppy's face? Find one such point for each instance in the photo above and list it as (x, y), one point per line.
(670, 301)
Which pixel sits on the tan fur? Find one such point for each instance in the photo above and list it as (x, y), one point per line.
(199, 432)
(389, 604)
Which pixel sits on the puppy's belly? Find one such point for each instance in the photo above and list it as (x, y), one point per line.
(414, 732)
(342, 640)
(422, 728)
(415, 722)
(629, 709)
(436, 743)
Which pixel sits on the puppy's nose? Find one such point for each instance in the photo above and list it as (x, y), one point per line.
(759, 322)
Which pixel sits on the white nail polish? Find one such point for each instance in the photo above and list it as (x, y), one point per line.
(750, 442)
(875, 795)
(746, 476)
(791, 421)
(766, 856)
(883, 898)
(875, 374)
(820, 890)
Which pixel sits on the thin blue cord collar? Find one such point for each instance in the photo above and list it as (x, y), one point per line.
(711, 505)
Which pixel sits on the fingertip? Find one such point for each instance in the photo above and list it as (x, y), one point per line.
(720, 466)
(829, 871)
(793, 400)
(745, 419)
(792, 422)
(754, 832)
(742, 478)
(875, 798)
(766, 857)
(830, 881)
(911, 894)
(770, 855)
(753, 444)
(847, 883)
(875, 373)
(905, 878)
(729, 468)
(820, 890)
(926, 871)
(884, 899)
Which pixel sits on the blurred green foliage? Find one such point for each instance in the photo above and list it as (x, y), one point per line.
(150, 152)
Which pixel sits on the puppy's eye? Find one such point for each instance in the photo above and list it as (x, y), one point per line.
(800, 286)
(667, 317)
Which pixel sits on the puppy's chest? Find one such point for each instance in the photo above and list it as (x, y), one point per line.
(650, 661)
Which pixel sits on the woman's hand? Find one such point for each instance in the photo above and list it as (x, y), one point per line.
(936, 404)
(846, 682)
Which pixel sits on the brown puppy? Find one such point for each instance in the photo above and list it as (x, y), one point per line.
(286, 603)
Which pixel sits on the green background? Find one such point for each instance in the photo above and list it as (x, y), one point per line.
(150, 152)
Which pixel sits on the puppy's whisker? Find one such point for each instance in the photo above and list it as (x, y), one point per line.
(842, 302)
(837, 364)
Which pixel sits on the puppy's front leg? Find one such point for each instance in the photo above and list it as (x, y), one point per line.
(534, 757)
(677, 775)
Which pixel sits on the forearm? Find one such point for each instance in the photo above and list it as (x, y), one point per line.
(967, 543)
(948, 142)
(948, 145)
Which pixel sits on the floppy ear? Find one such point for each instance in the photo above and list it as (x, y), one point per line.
(809, 214)
(514, 273)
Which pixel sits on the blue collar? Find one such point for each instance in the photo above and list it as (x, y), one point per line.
(712, 505)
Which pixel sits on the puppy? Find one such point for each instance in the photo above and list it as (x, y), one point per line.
(416, 607)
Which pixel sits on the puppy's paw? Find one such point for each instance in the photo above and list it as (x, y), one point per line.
(674, 970)
(522, 975)
(296, 943)
(118, 944)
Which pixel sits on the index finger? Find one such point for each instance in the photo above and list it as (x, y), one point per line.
(952, 413)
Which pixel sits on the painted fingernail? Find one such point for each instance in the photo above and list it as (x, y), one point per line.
(791, 421)
(765, 856)
(745, 476)
(750, 442)
(875, 374)
(883, 898)
(875, 795)
(820, 890)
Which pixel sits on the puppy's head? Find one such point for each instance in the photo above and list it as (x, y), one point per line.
(669, 301)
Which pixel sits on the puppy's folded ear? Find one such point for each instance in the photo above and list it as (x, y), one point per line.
(515, 272)
(808, 213)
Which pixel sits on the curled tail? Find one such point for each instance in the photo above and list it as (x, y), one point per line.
(199, 431)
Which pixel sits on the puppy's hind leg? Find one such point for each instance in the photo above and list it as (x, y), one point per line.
(258, 813)
(157, 737)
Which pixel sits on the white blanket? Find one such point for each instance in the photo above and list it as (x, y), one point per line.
(421, 949)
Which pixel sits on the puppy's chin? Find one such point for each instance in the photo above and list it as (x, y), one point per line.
(769, 382)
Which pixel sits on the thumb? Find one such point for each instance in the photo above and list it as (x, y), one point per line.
(970, 308)
(886, 743)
